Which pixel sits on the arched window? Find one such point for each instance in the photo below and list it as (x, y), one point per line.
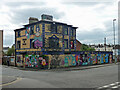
(54, 42)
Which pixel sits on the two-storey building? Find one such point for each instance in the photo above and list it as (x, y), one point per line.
(42, 36)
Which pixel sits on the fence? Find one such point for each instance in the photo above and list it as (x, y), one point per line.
(11, 60)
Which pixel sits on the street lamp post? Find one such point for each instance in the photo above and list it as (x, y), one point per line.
(114, 39)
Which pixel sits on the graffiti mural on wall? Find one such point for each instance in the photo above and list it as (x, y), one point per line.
(99, 59)
(18, 58)
(38, 39)
(35, 61)
(69, 60)
(56, 60)
(65, 60)
(27, 32)
(110, 58)
(93, 57)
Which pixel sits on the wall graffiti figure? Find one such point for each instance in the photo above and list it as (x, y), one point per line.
(38, 39)
(35, 61)
(69, 60)
(27, 32)
(65, 60)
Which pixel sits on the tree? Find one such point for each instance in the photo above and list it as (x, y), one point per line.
(11, 51)
(85, 47)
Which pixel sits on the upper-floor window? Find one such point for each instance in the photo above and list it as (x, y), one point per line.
(18, 33)
(72, 44)
(66, 31)
(18, 45)
(31, 43)
(59, 29)
(53, 42)
(31, 30)
(24, 41)
(37, 28)
(72, 32)
(54, 28)
(49, 27)
(65, 43)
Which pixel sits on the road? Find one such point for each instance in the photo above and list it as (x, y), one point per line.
(99, 78)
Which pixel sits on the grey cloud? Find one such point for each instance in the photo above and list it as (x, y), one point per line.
(86, 4)
(21, 16)
(8, 40)
(18, 4)
(95, 36)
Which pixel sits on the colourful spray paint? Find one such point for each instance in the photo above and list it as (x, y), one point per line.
(66, 60)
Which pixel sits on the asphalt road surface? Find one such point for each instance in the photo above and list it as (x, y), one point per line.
(100, 78)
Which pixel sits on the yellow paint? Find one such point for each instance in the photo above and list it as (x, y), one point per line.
(66, 49)
(47, 28)
(34, 28)
(59, 30)
(66, 37)
(18, 79)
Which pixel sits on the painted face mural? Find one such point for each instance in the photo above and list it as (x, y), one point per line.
(43, 62)
(37, 39)
(37, 32)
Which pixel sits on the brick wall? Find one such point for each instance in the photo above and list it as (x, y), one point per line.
(1, 45)
(78, 45)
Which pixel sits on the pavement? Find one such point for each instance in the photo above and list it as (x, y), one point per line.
(65, 68)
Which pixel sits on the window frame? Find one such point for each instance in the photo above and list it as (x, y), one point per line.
(73, 44)
(53, 28)
(51, 44)
(18, 44)
(32, 30)
(31, 46)
(18, 33)
(67, 43)
(66, 29)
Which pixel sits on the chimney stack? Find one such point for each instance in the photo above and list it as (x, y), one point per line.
(33, 20)
(46, 17)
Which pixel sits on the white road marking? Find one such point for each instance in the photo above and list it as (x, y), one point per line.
(116, 86)
(107, 86)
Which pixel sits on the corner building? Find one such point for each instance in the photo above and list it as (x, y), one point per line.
(41, 37)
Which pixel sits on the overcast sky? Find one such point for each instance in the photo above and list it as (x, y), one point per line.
(94, 18)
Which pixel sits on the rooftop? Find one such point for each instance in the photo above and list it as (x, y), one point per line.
(43, 20)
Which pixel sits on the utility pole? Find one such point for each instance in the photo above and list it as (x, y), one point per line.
(114, 39)
(105, 43)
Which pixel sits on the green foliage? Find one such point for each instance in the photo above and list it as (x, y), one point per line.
(85, 47)
(11, 51)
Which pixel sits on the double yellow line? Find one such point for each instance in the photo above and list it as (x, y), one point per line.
(11, 82)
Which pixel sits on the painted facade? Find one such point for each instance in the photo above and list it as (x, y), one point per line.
(44, 35)
(52, 44)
